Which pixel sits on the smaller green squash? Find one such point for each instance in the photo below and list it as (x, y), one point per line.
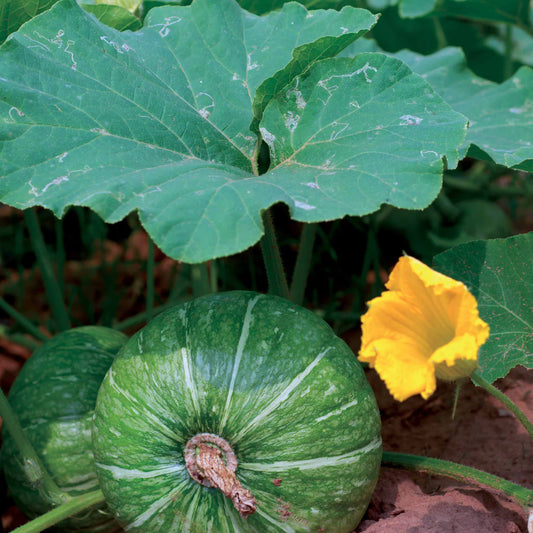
(54, 397)
(237, 413)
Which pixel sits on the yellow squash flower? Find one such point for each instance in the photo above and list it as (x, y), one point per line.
(426, 326)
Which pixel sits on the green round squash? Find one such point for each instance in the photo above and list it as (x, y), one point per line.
(54, 397)
(256, 386)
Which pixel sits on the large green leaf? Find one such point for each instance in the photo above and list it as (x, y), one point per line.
(498, 273)
(366, 126)
(500, 116)
(158, 121)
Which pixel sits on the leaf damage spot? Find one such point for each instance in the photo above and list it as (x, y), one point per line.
(410, 120)
(56, 181)
(206, 110)
(249, 64)
(291, 121)
(58, 41)
(100, 131)
(303, 205)
(119, 48)
(12, 119)
(165, 27)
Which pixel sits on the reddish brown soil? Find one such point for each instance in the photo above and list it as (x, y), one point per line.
(482, 435)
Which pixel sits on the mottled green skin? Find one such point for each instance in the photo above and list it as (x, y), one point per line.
(269, 377)
(54, 397)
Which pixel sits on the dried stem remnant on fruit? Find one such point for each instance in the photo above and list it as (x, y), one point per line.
(212, 463)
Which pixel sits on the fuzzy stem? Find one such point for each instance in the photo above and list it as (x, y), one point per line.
(464, 474)
(33, 467)
(303, 263)
(277, 281)
(73, 506)
(498, 394)
(53, 291)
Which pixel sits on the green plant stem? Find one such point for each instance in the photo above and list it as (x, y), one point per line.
(508, 58)
(498, 394)
(150, 281)
(73, 506)
(34, 468)
(303, 263)
(277, 281)
(22, 320)
(464, 474)
(53, 291)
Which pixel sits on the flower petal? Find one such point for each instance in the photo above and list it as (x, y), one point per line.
(426, 326)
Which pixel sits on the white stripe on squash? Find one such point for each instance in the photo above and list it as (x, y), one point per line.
(337, 411)
(133, 473)
(281, 397)
(245, 331)
(317, 462)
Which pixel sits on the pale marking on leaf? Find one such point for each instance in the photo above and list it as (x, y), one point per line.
(319, 462)
(355, 104)
(281, 397)
(312, 184)
(165, 27)
(245, 331)
(338, 411)
(249, 64)
(291, 120)
(150, 190)
(344, 30)
(304, 205)
(516, 110)
(300, 102)
(335, 134)
(269, 138)
(205, 110)
(61, 157)
(518, 83)
(410, 120)
(429, 152)
(324, 84)
(101, 131)
(12, 110)
(56, 181)
(58, 41)
(119, 48)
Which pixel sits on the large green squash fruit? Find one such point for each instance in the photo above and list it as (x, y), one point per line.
(54, 397)
(244, 385)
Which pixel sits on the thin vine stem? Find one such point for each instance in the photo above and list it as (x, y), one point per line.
(150, 281)
(22, 320)
(462, 473)
(74, 505)
(33, 467)
(505, 400)
(51, 285)
(303, 263)
(277, 280)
